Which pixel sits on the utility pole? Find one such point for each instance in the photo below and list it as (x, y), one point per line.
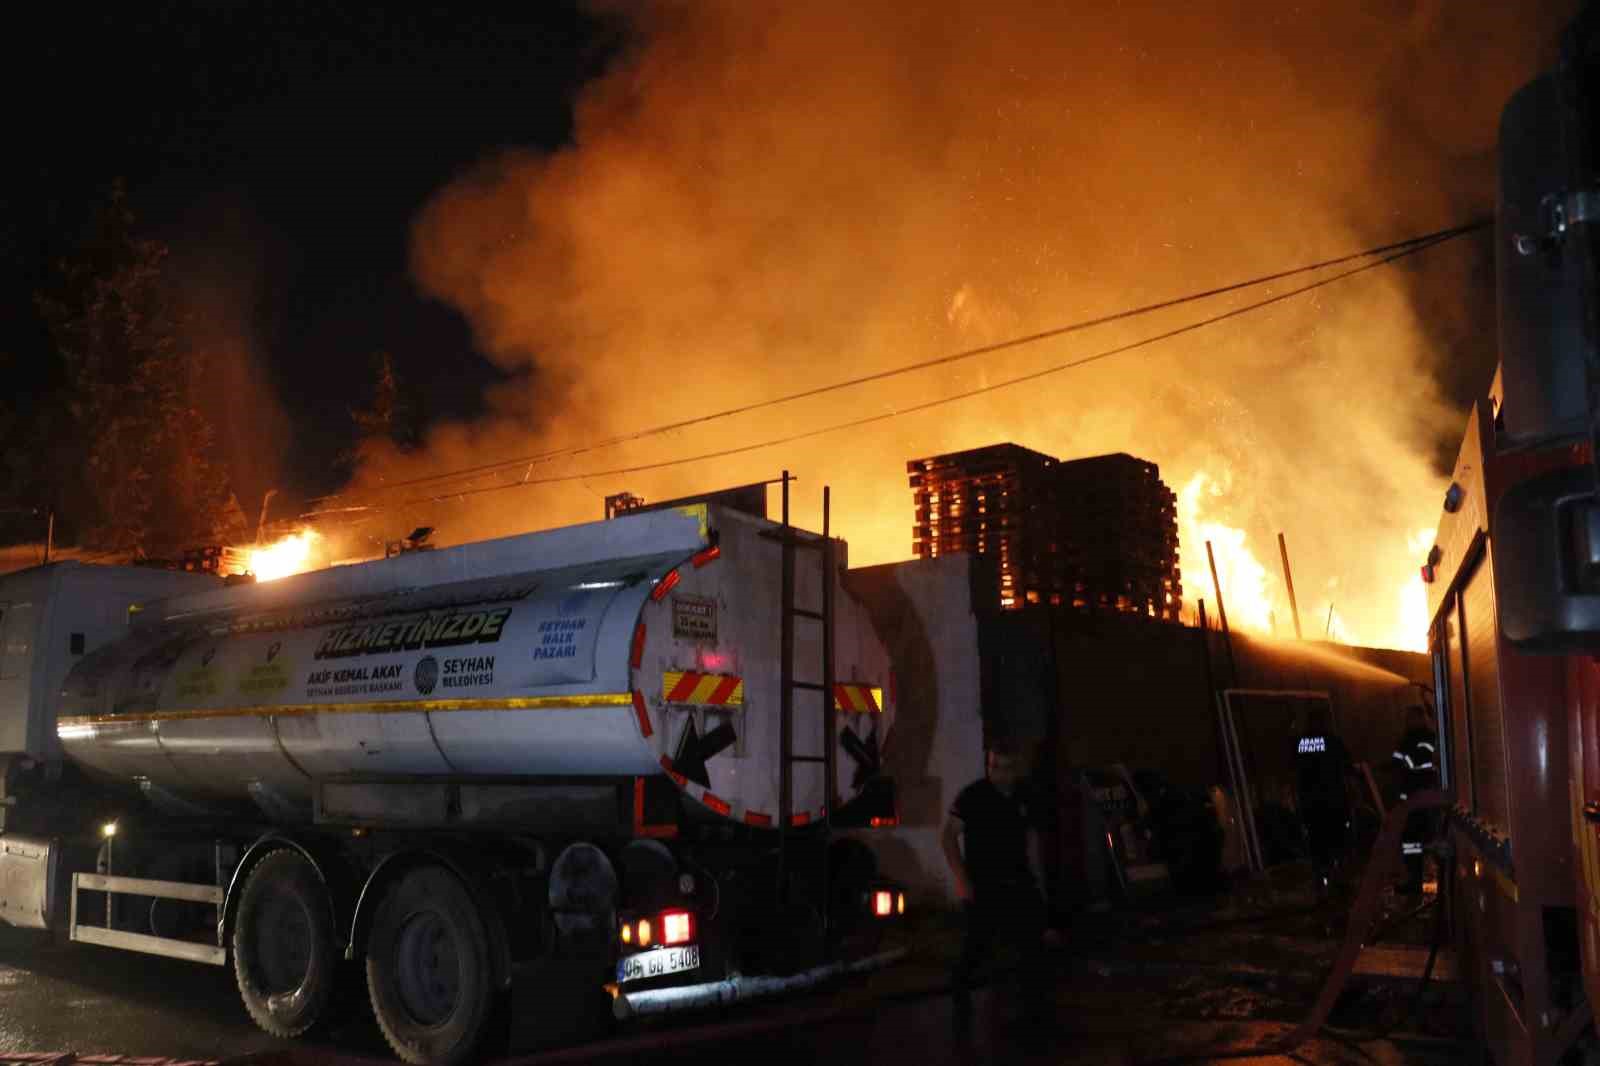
(1288, 580)
(261, 524)
(1222, 615)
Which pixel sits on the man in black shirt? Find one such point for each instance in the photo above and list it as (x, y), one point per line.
(992, 846)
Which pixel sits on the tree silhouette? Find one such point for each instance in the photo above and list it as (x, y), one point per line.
(389, 423)
(139, 470)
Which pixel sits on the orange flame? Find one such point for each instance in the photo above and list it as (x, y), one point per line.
(1413, 634)
(1241, 575)
(291, 555)
(1254, 601)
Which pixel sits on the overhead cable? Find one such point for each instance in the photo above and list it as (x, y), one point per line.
(1409, 245)
(1409, 248)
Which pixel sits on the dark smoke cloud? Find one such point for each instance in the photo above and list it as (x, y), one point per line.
(765, 196)
(222, 255)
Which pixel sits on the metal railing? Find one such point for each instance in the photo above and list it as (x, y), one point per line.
(171, 947)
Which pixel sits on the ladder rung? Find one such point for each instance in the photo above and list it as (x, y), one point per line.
(804, 613)
(809, 685)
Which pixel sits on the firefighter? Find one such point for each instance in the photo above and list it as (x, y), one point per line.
(1416, 769)
(1322, 765)
(991, 842)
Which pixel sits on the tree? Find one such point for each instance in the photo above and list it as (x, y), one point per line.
(389, 423)
(147, 480)
(386, 416)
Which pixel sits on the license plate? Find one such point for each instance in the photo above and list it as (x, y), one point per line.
(658, 963)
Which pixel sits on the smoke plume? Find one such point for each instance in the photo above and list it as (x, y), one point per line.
(222, 254)
(763, 197)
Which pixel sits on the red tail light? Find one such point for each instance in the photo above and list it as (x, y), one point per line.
(666, 585)
(882, 903)
(677, 927)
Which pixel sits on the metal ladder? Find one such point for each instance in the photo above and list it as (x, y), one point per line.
(794, 541)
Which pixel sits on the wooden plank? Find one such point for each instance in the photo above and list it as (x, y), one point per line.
(1400, 962)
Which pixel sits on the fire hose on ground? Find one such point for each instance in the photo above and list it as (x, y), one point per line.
(1382, 866)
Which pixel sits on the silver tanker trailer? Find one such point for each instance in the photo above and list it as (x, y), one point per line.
(609, 743)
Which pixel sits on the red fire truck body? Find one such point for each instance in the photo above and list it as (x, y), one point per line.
(1507, 720)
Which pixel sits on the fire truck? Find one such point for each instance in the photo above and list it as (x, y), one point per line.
(621, 744)
(1514, 592)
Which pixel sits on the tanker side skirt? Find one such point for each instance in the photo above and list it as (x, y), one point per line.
(570, 805)
(189, 950)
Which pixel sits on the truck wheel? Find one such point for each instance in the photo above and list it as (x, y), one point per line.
(428, 969)
(284, 956)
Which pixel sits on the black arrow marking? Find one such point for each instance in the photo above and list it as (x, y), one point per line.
(694, 751)
(865, 754)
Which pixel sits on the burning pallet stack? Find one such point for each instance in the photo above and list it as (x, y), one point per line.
(1096, 534)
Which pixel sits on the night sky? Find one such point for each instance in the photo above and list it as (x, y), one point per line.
(281, 150)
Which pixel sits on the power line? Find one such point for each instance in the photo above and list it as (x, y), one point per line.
(1409, 248)
(1409, 244)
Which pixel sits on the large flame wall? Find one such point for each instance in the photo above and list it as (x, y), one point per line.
(762, 198)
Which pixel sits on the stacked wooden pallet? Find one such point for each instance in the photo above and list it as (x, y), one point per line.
(1094, 534)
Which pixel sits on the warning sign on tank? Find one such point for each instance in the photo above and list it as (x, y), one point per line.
(468, 672)
(198, 684)
(356, 681)
(694, 618)
(265, 678)
(558, 638)
(444, 630)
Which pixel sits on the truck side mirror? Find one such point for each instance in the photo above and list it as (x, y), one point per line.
(1546, 548)
(1539, 273)
(1545, 531)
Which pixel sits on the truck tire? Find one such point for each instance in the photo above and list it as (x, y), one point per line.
(285, 957)
(429, 972)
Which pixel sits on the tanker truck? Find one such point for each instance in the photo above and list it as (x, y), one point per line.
(621, 744)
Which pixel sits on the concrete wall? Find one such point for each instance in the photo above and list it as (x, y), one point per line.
(1092, 691)
(1112, 692)
(1142, 693)
(923, 610)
